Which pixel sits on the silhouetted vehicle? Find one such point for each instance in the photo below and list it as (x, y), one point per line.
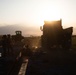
(55, 36)
(18, 36)
(11, 51)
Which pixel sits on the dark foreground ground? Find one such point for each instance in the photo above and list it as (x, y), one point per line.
(53, 62)
(11, 63)
(42, 62)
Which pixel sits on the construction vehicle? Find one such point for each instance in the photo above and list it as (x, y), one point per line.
(55, 36)
(11, 53)
(18, 36)
(54, 57)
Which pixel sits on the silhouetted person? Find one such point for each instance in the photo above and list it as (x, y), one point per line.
(24, 51)
(28, 51)
(4, 44)
(9, 45)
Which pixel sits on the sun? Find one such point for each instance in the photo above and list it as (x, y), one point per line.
(51, 15)
(48, 15)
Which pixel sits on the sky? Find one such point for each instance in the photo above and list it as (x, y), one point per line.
(34, 12)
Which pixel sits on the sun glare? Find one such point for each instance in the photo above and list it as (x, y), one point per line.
(48, 15)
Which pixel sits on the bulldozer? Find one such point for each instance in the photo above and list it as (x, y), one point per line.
(54, 36)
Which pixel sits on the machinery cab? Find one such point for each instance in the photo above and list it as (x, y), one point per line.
(18, 36)
(54, 35)
(18, 33)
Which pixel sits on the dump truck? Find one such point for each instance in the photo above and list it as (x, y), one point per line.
(55, 36)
